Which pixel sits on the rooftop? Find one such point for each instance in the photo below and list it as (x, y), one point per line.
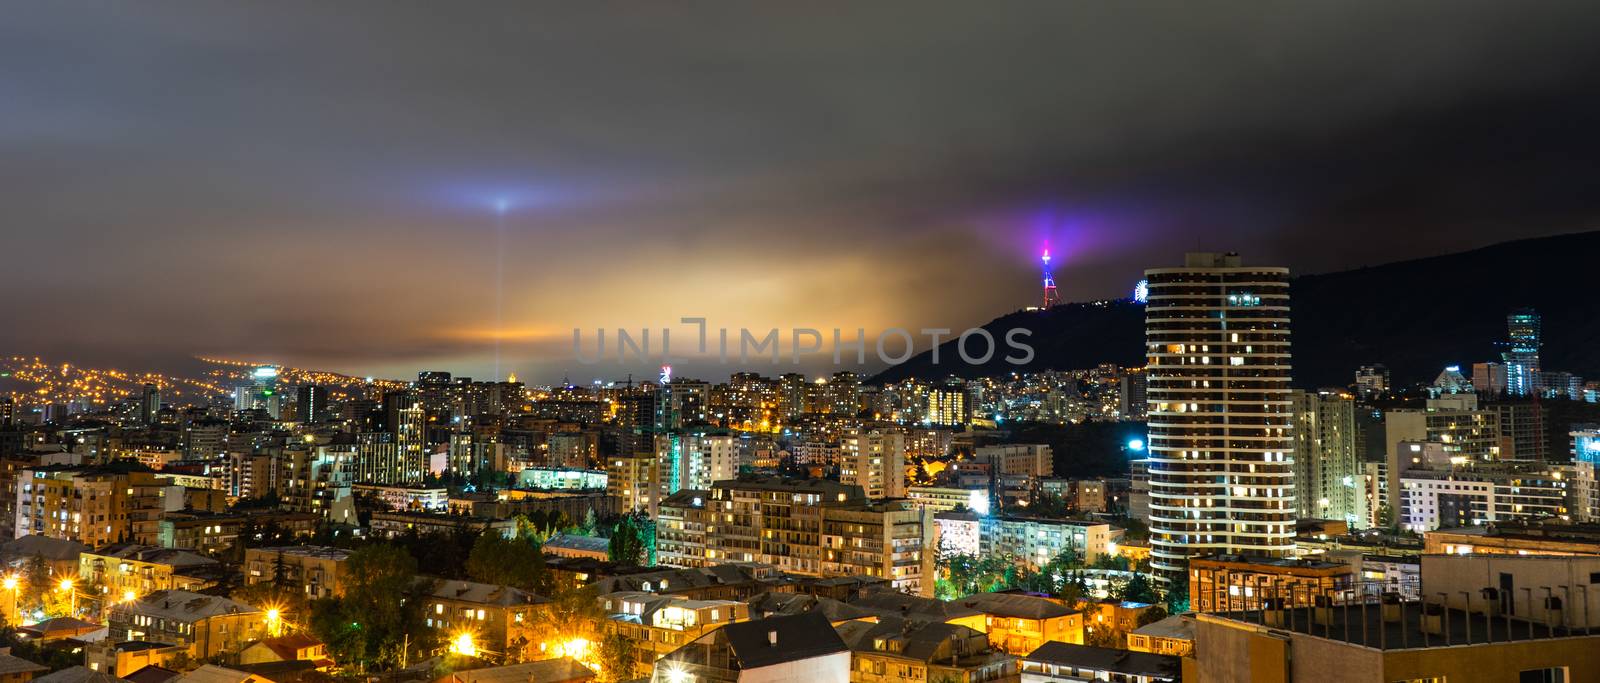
(184, 606)
(1106, 659)
(1365, 625)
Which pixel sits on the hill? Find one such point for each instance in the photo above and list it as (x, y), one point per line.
(1415, 316)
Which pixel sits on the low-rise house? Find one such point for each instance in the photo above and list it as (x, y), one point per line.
(78, 674)
(895, 650)
(803, 647)
(59, 554)
(208, 625)
(502, 620)
(558, 670)
(659, 624)
(14, 669)
(63, 628)
(123, 571)
(317, 570)
(1019, 624)
(568, 545)
(212, 673)
(1173, 636)
(120, 658)
(291, 648)
(1067, 662)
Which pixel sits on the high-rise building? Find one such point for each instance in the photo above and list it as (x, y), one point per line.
(875, 460)
(149, 405)
(1327, 472)
(1220, 411)
(1584, 492)
(1521, 429)
(696, 460)
(1372, 381)
(1489, 379)
(1522, 352)
(407, 420)
(312, 401)
(1132, 398)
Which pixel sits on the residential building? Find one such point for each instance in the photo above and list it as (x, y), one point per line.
(208, 625)
(125, 571)
(658, 624)
(96, 505)
(501, 619)
(318, 571)
(896, 650)
(1326, 469)
(1221, 412)
(875, 460)
(800, 647)
(1037, 541)
(1068, 662)
(1224, 583)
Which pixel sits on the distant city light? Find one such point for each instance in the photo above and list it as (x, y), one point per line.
(266, 372)
(1141, 292)
(1135, 444)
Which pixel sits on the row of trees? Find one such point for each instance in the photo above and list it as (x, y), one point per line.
(1062, 577)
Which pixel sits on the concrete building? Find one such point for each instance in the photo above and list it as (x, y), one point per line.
(1220, 411)
(96, 505)
(1036, 541)
(875, 460)
(317, 571)
(208, 625)
(810, 527)
(659, 624)
(1069, 663)
(1225, 583)
(801, 647)
(1027, 460)
(1326, 468)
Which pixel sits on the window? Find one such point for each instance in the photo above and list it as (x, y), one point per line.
(1550, 675)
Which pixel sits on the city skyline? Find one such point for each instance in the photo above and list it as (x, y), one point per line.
(334, 205)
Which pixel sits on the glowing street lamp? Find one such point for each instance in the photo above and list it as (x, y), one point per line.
(462, 644)
(11, 586)
(274, 622)
(66, 587)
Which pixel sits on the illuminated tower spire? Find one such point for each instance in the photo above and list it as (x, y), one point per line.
(1050, 296)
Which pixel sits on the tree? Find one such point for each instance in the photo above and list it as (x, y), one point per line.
(1177, 595)
(383, 602)
(514, 562)
(1150, 616)
(633, 541)
(616, 655)
(1139, 589)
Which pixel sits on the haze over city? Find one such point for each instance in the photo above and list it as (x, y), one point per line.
(317, 186)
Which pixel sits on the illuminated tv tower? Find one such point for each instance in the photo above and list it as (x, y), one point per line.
(1050, 296)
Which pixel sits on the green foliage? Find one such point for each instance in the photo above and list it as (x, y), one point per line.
(1108, 561)
(1177, 594)
(1150, 616)
(383, 602)
(514, 562)
(633, 541)
(968, 574)
(1137, 589)
(617, 658)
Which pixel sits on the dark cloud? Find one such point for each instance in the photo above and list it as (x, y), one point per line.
(312, 183)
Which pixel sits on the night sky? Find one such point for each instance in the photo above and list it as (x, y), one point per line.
(315, 183)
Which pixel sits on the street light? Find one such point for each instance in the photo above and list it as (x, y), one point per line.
(462, 645)
(66, 587)
(11, 585)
